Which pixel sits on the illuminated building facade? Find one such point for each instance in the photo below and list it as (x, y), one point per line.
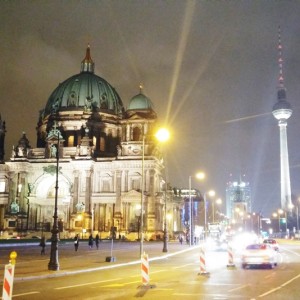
(99, 145)
(238, 200)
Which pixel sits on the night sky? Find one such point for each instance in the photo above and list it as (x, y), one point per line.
(209, 67)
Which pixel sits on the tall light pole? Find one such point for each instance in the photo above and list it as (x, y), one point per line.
(211, 193)
(190, 210)
(200, 176)
(53, 263)
(163, 135)
(142, 199)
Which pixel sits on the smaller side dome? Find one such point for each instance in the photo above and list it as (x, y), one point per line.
(140, 102)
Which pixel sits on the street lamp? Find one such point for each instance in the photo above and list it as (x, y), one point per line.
(199, 176)
(163, 135)
(211, 193)
(142, 198)
(53, 263)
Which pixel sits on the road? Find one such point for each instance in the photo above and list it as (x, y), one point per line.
(86, 275)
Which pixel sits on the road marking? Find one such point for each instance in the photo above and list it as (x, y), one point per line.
(279, 287)
(84, 284)
(25, 294)
(121, 284)
(183, 266)
(238, 288)
(211, 296)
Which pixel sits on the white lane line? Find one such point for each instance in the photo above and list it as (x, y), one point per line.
(183, 266)
(84, 284)
(238, 288)
(279, 287)
(25, 294)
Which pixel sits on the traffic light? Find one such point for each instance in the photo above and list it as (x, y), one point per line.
(282, 220)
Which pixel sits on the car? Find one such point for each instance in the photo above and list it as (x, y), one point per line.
(273, 243)
(14, 238)
(262, 255)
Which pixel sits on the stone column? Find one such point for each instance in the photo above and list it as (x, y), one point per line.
(75, 191)
(87, 201)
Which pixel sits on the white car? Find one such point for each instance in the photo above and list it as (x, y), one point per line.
(272, 243)
(259, 255)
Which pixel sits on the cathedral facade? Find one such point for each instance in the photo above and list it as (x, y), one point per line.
(95, 159)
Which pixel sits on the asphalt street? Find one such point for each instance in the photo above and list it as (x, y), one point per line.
(30, 264)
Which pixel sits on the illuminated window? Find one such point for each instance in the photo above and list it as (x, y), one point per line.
(102, 143)
(71, 141)
(2, 187)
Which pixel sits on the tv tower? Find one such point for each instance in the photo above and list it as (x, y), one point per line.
(282, 110)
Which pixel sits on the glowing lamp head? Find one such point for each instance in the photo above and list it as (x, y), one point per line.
(162, 135)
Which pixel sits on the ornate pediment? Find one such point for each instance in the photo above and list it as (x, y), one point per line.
(131, 196)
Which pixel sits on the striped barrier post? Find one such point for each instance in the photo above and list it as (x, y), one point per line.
(230, 257)
(8, 281)
(145, 269)
(202, 262)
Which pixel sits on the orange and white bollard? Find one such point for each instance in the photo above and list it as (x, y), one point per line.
(145, 269)
(202, 262)
(230, 257)
(8, 281)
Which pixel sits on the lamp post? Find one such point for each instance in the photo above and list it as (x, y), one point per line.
(53, 263)
(163, 135)
(297, 212)
(211, 193)
(142, 198)
(199, 176)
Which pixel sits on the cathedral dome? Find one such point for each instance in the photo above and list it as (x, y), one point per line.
(140, 102)
(85, 91)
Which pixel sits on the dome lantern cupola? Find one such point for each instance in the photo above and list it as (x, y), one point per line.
(87, 65)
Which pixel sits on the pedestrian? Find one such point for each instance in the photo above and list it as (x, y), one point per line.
(76, 242)
(180, 239)
(91, 241)
(43, 245)
(97, 241)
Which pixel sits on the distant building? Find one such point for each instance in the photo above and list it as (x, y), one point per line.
(238, 199)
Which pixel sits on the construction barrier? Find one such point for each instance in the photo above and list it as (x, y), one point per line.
(145, 269)
(202, 262)
(230, 257)
(8, 281)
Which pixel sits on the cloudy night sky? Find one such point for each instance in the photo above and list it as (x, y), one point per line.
(209, 67)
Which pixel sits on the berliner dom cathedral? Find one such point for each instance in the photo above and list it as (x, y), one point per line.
(95, 158)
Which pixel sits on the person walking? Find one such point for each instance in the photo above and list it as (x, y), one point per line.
(43, 245)
(91, 241)
(97, 241)
(76, 242)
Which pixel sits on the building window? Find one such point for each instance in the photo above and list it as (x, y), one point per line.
(106, 186)
(136, 184)
(2, 187)
(71, 141)
(136, 134)
(102, 144)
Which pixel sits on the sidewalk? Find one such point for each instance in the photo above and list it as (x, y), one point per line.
(31, 265)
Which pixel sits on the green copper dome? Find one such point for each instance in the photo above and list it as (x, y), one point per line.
(140, 102)
(85, 91)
